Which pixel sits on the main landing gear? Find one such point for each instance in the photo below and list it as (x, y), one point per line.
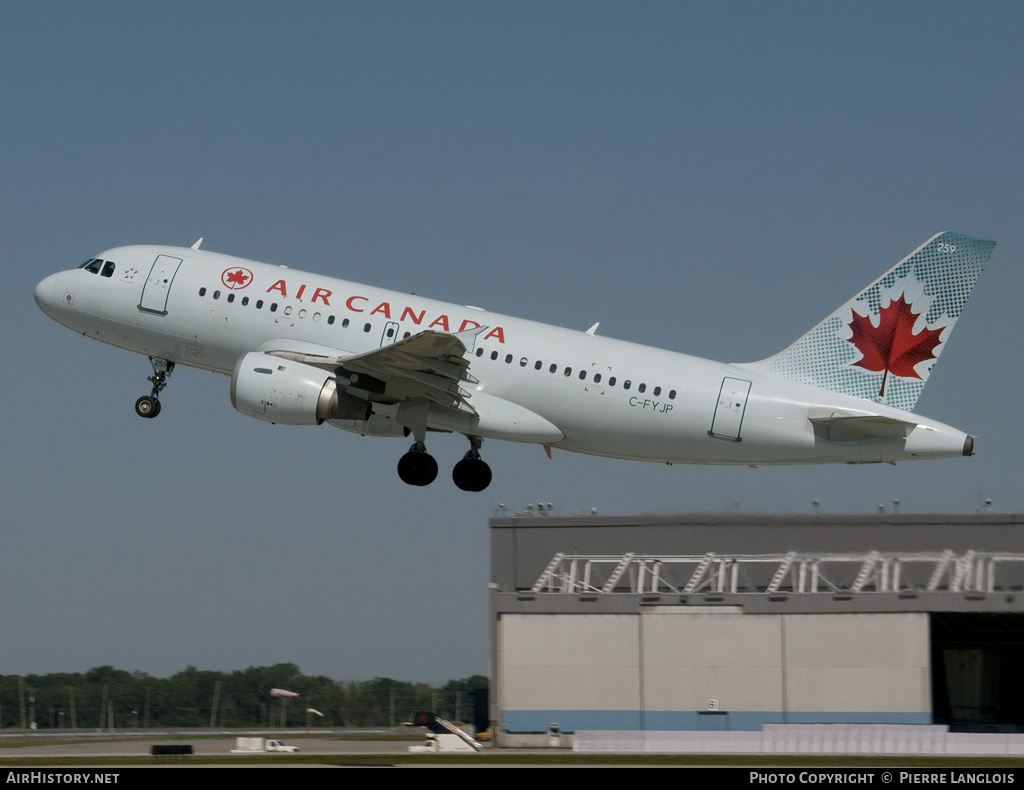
(149, 405)
(471, 473)
(418, 468)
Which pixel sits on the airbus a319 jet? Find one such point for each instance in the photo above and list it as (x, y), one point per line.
(305, 349)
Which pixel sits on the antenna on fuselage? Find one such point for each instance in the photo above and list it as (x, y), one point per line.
(198, 242)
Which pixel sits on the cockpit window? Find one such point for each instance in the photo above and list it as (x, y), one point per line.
(95, 265)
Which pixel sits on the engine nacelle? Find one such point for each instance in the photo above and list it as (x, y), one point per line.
(278, 390)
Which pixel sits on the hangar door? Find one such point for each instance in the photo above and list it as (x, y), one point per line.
(977, 683)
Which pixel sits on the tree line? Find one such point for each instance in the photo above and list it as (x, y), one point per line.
(109, 698)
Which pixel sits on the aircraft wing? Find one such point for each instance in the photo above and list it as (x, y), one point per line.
(431, 365)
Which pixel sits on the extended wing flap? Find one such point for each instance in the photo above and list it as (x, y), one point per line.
(437, 384)
(449, 369)
(403, 361)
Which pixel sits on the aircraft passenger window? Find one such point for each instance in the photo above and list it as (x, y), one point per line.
(245, 301)
(390, 332)
(288, 310)
(407, 334)
(216, 294)
(344, 323)
(494, 355)
(625, 384)
(657, 390)
(508, 359)
(330, 319)
(366, 327)
(611, 381)
(231, 298)
(672, 395)
(642, 388)
(302, 313)
(597, 378)
(583, 375)
(202, 292)
(538, 365)
(316, 317)
(553, 368)
(523, 362)
(108, 269)
(259, 304)
(273, 307)
(479, 352)
(568, 371)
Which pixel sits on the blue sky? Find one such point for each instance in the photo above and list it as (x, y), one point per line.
(710, 178)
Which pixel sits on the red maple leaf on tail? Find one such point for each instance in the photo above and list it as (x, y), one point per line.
(892, 346)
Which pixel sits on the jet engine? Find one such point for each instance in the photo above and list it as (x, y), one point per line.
(291, 393)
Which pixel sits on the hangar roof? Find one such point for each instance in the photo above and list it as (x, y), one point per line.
(913, 562)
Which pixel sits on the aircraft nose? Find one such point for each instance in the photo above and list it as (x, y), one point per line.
(44, 294)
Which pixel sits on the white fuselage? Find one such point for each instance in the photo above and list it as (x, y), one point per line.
(601, 396)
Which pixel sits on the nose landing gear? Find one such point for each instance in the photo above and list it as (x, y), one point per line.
(149, 405)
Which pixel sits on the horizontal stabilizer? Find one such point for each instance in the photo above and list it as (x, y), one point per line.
(840, 425)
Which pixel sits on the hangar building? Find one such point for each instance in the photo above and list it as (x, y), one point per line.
(731, 622)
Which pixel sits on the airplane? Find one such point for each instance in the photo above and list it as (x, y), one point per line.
(304, 349)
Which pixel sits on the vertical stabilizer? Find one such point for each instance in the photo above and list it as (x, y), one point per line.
(883, 344)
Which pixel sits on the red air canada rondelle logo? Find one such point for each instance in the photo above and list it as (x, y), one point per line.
(892, 346)
(236, 279)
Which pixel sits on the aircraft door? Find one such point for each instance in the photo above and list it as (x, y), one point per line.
(390, 334)
(158, 284)
(732, 402)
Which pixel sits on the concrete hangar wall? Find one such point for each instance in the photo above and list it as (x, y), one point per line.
(729, 622)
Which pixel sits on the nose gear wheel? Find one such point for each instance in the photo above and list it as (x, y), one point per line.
(149, 405)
